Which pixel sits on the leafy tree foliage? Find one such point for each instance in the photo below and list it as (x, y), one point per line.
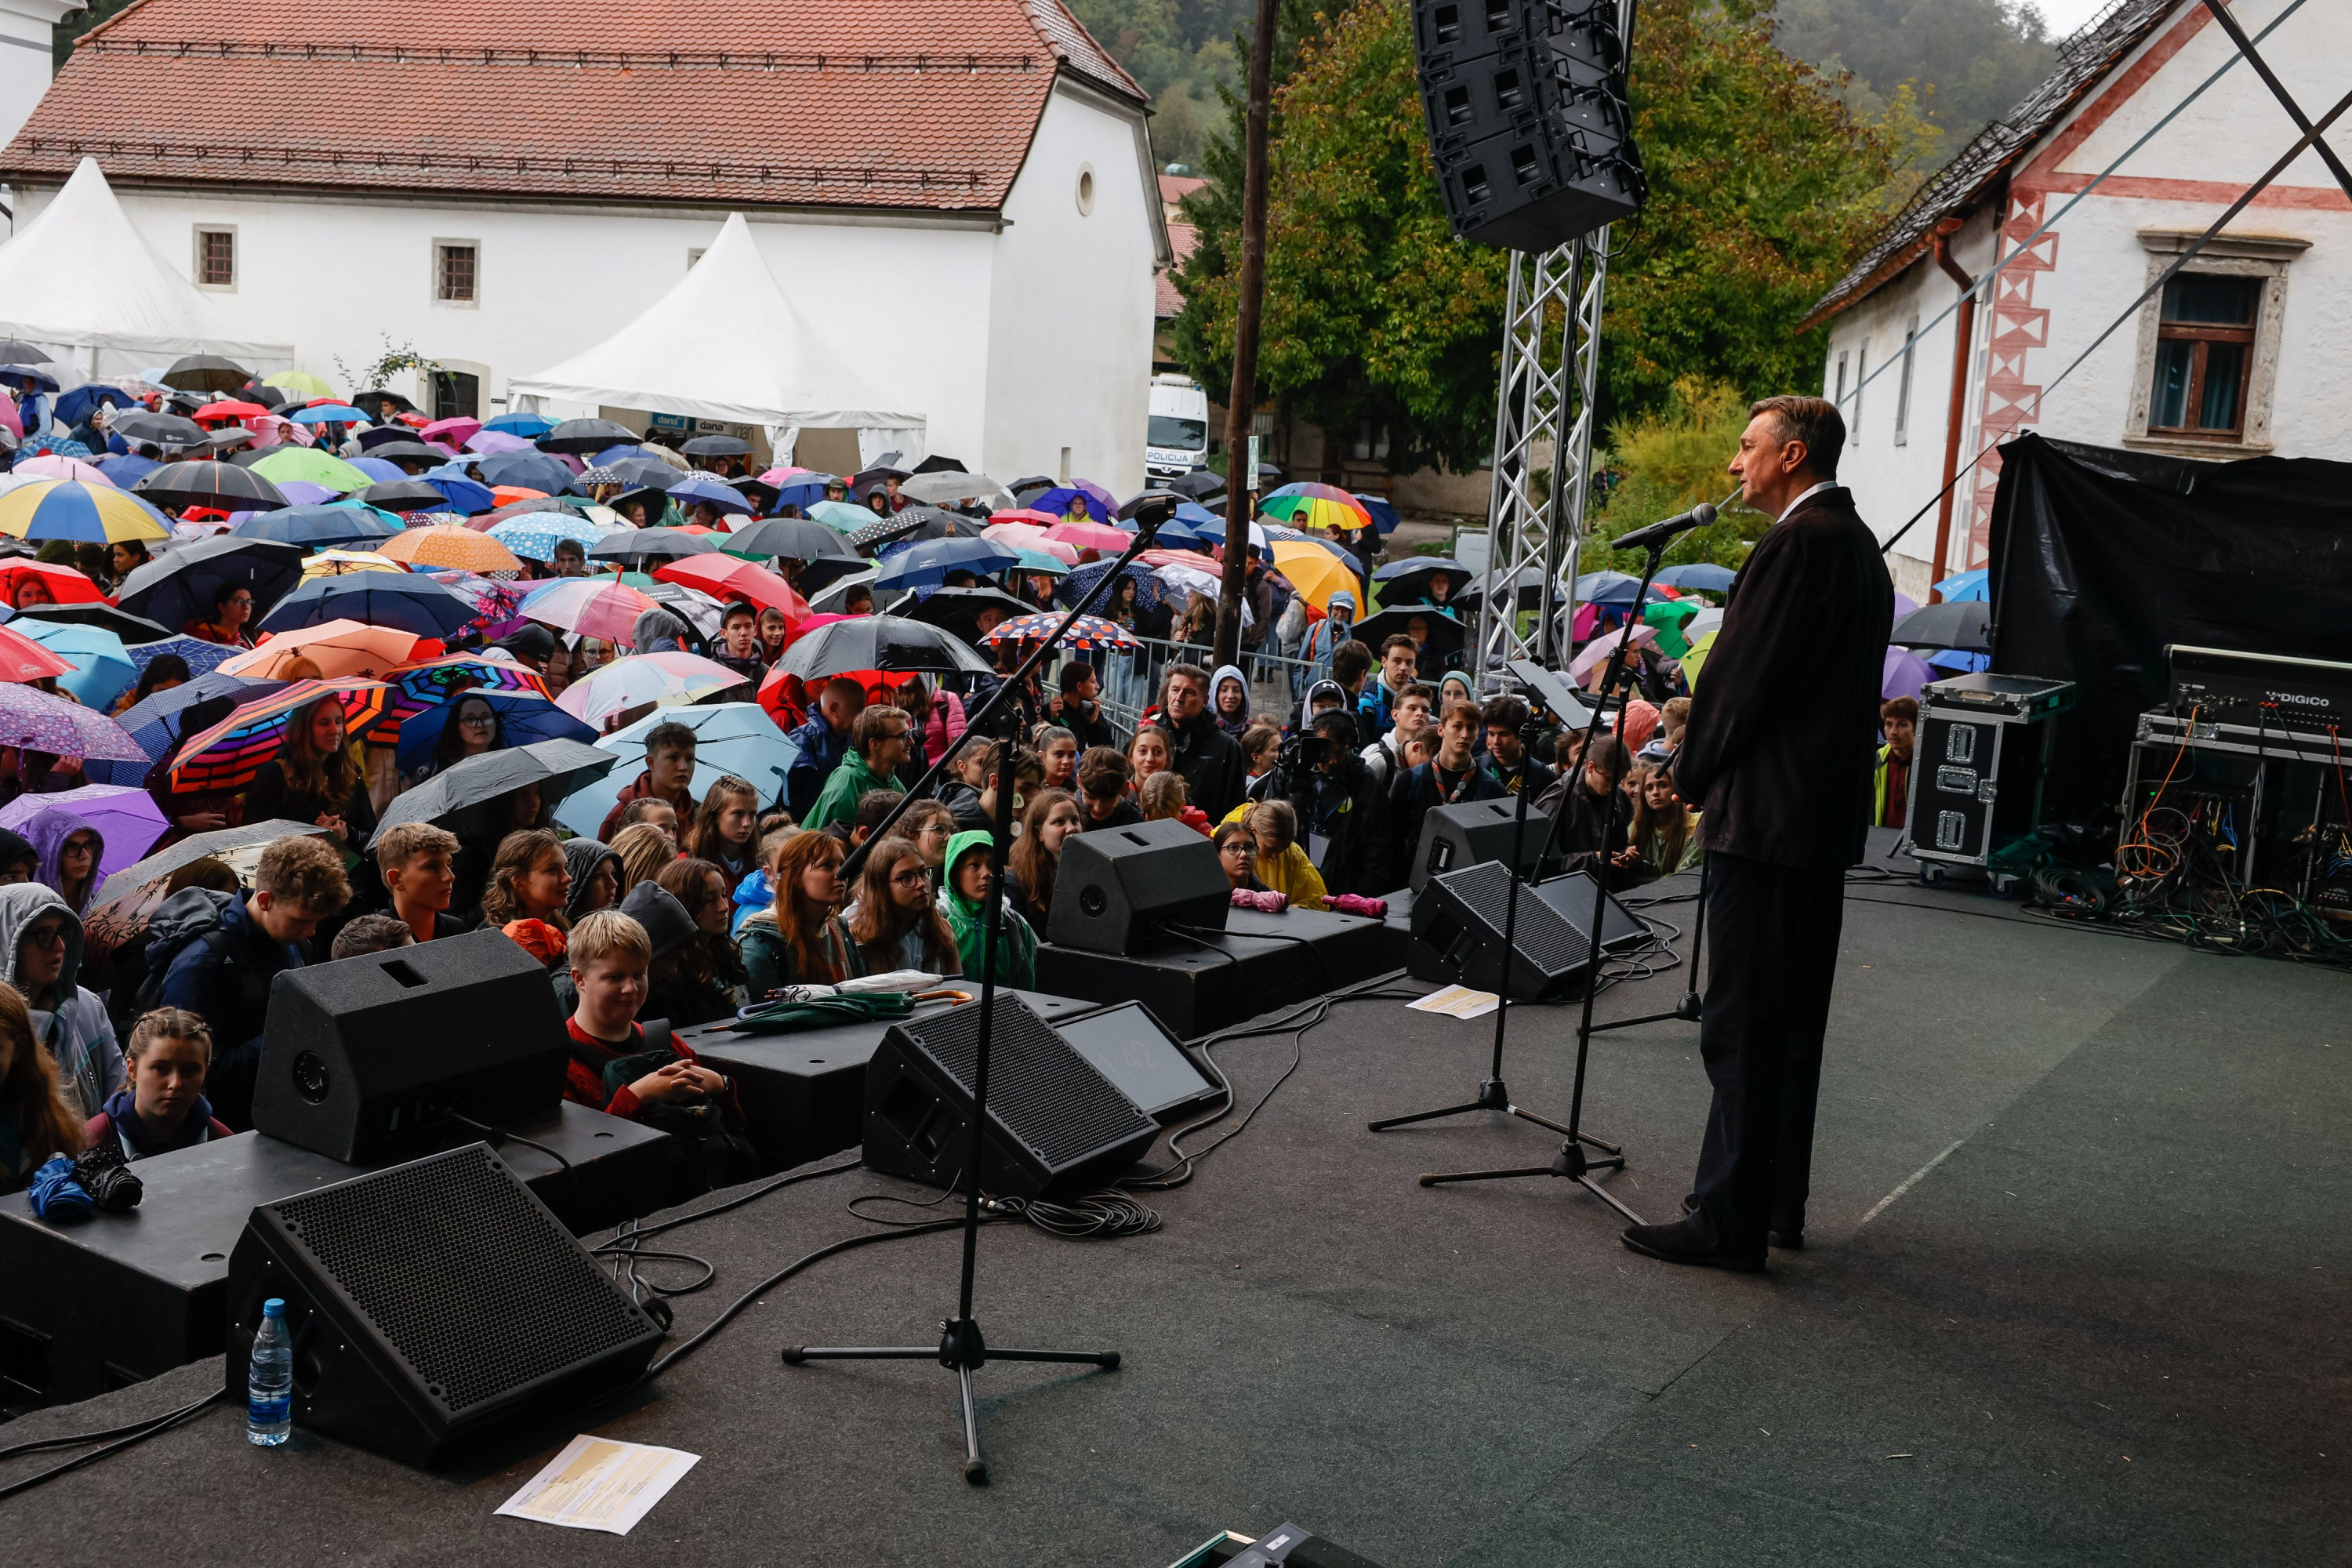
(1971, 60)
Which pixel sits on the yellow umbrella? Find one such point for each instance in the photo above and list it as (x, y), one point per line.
(1316, 573)
(1696, 658)
(336, 563)
(449, 545)
(301, 381)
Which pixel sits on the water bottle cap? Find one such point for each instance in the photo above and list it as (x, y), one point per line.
(273, 1308)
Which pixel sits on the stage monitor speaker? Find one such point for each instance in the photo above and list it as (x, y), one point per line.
(432, 1304)
(1457, 933)
(1292, 1547)
(1055, 1122)
(1119, 888)
(364, 1058)
(1475, 832)
(1527, 120)
(1133, 1049)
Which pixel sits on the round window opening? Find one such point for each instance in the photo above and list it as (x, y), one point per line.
(1086, 189)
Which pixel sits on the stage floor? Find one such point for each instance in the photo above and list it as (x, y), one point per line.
(2075, 1293)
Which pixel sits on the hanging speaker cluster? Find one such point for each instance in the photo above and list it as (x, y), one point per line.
(1527, 117)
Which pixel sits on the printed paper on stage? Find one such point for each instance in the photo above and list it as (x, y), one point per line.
(597, 1483)
(1458, 1002)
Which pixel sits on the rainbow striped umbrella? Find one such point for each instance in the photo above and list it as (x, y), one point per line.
(428, 683)
(227, 755)
(80, 513)
(1316, 506)
(1087, 633)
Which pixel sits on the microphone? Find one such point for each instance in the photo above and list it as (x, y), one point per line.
(1657, 533)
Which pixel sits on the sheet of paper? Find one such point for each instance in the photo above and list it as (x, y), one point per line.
(1458, 1002)
(598, 1483)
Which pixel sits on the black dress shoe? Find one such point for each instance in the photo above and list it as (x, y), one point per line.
(1789, 1240)
(1682, 1243)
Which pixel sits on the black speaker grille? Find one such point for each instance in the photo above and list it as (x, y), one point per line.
(1039, 1086)
(1541, 937)
(408, 1245)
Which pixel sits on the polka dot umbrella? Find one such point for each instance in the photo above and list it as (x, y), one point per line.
(1086, 634)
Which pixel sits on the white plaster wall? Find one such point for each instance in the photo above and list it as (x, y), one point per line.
(24, 56)
(1071, 314)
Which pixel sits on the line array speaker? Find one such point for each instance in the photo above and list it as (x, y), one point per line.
(1527, 117)
(432, 1304)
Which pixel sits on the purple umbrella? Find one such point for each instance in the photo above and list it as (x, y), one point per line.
(1100, 502)
(40, 723)
(302, 492)
(487, 442)
(1906, 672)
(1903, 603)
(128, 819)
(384, 471)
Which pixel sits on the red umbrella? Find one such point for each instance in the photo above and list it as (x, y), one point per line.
(1092, 536)
(231, 410)
(22, 659)
(723, 576)
(66, 585)
(1025, 514)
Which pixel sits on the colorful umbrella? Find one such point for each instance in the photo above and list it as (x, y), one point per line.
(1039, 562)
(737, 738)
(841, 516)
(337, 563)
(1086, 634)
(301, 381)
(668, 678)
(457, 431)
(1316, 506)
(713, 492)
(534, 535)
(200, 656)
(1966, 588)
(1092, 536)
(103, 670)
(1055, 502)
(50, 465)
(226, 756)
(725, 577)
(524, 718)
(1031, 536)
(338, 648)
(66, 585)
(1314, 572)
(1597, 652)
(449, 549)
(81, 512)
(590, 606)
(527, 425)
(128, 820)
(1668, 619)
(311, 466)
(1903, 674)
(1704, 575)
(23, 658)
(416, 604)
(428, 683)
(156, 724)
(38, 721)
(927, 565)
(327, 413)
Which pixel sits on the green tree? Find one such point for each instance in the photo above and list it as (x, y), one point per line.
(1763, 184)
(1973, 60)
(1664, 462)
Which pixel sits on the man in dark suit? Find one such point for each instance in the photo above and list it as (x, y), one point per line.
(1780, 751)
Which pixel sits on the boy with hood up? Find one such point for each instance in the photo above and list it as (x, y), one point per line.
(40, 945)
(963, 900)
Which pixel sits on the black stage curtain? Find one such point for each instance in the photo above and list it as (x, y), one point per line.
(2102, 557)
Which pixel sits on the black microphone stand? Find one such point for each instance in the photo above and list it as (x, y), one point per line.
(961, 1348)
(1572, 1162)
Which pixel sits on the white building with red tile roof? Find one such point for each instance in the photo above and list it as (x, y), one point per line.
(2243, 356)
(957, 194)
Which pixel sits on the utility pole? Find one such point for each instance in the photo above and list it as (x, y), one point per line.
(1241, 468)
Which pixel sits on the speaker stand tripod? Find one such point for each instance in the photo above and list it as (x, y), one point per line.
(1573, 1162)
(961, 1350)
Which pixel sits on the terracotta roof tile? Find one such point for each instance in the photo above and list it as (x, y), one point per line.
(1169, 300)
(917, 104)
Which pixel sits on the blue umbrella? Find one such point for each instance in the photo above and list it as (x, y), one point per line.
(383, 471)
(530, 427)
(74, 407)
(525, 470)
(1969, 587)
(1704, 577)
(717, 492)
(1610, 588)
(736, 738)
(1099, 502)
(535, 534)
(523, 717)
(157, 724)
(1082, 579)
(329, 413)
(126, 469)
(465, 493)
(318, 526)
(804, 491)
(618, 450)
(1384, 516)
(927, 565)
(28, 378)
(409, 603)
(201, 657)
(102, 667)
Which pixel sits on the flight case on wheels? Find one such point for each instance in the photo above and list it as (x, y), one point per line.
(1977, 772)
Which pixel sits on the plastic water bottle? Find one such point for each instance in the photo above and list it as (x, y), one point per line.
(269, 1379)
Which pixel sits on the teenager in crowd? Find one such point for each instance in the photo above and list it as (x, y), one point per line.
(37, 1121)
(965, 904)
(799, 940)
(822, 742)
(874, 808)
(958, 789)
(738, 642)
(1261, 746)
(1229, 699)
(232, 608)
(595, 878)
(724, 826)
(928, 826)
(669, 777)
(775, 632)
(894, 920)
(68, 848)
(371, 933)
(1450, 778)
(41, 945)
(473, 728)
(163, 672)
(1581, 802)
(313, 778)
(529, 884)
(1078, 706)
(1503, 718)
(1237, 854)
(657, 812)
(881, 740)
(609, 1068)
(482, 830)
(1103, 779)
(161, 1106)
(1376, 708)
(1415, 700)
(1665, 832)
(1898, 720)
(1282, 864)
(1058, 750)
(694, 980)
(938, 718)
(1152, 751)
(20, 861)
(1036, 857)
(643, 850)
(418, 864)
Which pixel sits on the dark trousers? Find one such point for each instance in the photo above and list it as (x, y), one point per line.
(1773, 935)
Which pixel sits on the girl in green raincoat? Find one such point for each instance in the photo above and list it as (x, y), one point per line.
(964, 901)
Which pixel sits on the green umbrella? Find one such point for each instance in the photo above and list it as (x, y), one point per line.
(309, 466)
(1037, 561)
(841, 515)
(1668, 619)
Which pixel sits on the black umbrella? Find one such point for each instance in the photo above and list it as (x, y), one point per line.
(819, 573)
(587, 436)
(1966, 627)
(886, 531)
(164, 429)
(1148, 498)
(207, 372)
(876, 642)
(28, 378)
(715, 446)
(871, 478)
(917, 522)
(641, 473)
(525, 470)
(268, 396)
(222, 484)
(404, 449)
(198, 847)
(761, 494)
(937, 464)
(1200, 482)
(1529, 583)
(1407, 582)
(173, 589)
(557, 767)
(957, 610)
(229, 435)
(803, 539)
(132, 629)
(643, 543)
(404, 495)
(1032, 482)
(378, 395)
(16, 350)
(1445, 634)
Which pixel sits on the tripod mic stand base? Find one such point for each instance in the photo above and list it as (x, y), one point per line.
(1689, 1010)
(1492, 1096)
(961, 1350)
(1571, 1162)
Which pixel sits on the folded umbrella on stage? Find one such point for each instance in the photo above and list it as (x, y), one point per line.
(556, 768)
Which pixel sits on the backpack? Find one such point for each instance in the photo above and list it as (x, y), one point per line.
(192, 915)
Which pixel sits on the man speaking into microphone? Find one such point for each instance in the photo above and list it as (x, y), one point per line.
(1778, 753)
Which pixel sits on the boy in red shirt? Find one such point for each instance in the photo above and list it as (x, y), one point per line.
(609, 954)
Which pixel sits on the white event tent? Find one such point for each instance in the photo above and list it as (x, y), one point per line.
(726, 344)
(80, 279)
